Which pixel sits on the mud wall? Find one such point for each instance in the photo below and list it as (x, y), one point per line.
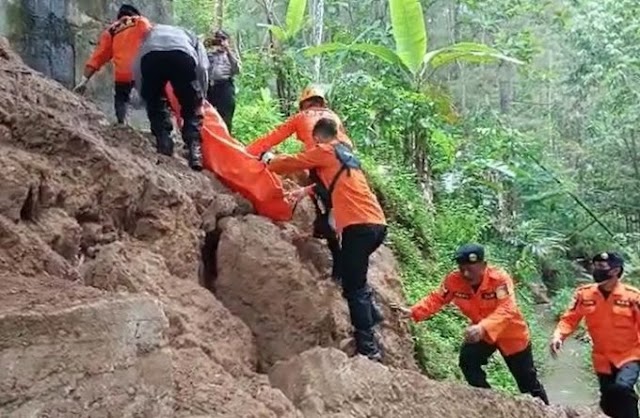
(56, 37)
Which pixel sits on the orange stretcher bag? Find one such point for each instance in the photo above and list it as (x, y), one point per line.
(234, 167)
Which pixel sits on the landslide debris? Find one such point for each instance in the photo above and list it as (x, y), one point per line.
(131, 286)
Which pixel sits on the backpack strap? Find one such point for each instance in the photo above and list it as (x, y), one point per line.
(348, 161)
(332, 186)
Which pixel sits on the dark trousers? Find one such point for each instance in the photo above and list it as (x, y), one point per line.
(358, 243)
(179, 69)
(222, 96)
(474, 356)
(121, 100)
(618, 398)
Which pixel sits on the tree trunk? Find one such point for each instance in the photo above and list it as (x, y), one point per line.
(505, 87)
(276, 55)
(219, 19)
(318, 25)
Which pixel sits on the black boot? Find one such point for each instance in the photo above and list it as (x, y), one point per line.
(192, 123)
(376, 313)
(367, 344)
(195, 154)
(161, 126)
(361, 314)
(121, 112)
(164, 144)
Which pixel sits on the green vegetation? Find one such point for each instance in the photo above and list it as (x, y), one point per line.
(521, 134)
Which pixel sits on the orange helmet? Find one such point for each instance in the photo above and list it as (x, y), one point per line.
(310, 92)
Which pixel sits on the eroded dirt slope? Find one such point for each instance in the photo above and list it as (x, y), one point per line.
(108, 260)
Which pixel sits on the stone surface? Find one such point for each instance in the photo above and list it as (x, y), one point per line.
(57, 361)
(57, 37)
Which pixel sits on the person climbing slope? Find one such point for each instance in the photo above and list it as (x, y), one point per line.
(119, 43)
(175, 55)
(612, 314)
(313, 107)
(356, 216)
(485, 295)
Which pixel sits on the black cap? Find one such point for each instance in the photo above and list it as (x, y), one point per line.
(221, 34)
(469, 254)
(128, 10)
(613, 259)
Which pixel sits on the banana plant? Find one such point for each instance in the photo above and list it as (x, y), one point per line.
(293, 21)
(411, 54)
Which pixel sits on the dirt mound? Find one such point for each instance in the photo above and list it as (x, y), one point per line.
(263, 280)
(106, 254)
(326, 383)
(88, 215)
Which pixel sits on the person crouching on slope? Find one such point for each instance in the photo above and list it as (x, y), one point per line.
(612, 314)
(119, 43)
(356, 216)
(486, 296)
(313, 107)
(175, 55)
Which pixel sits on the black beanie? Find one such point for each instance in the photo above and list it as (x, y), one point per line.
(128, 10)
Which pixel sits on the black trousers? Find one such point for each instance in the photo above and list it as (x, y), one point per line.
(222, 96)
(358, 243)
(121, 100)
(521, 366)
(179, 69)
(618, 398)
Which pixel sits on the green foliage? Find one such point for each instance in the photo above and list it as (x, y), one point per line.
(562, 301)
(293, 21)
(410, 55)
(409, 32)
(197, 15)
(470, 52)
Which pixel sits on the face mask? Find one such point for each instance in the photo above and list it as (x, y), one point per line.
(601, 275)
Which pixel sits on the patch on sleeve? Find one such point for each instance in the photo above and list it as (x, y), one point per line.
(622, 302)
(121, 25)
(502, 291)
(443, 290)
(588, 302)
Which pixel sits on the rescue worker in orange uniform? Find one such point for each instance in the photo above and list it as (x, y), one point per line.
(119, 43)
(355, 214)
(612, 315)
(313, 107)
(485, 295)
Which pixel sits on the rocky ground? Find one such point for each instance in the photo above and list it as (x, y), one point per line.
(134, 287)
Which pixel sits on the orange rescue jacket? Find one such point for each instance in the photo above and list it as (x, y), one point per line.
(493, 306)
(119, 43)
(353, 201)
(613, 324)
(301, 124)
